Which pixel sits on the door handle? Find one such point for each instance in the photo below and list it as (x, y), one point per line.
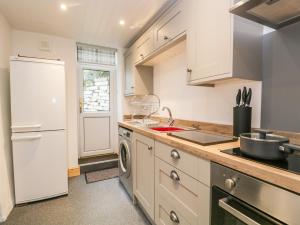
(247, 220)
(80, 105)
(14, 138)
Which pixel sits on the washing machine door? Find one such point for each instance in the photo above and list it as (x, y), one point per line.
(124, 159)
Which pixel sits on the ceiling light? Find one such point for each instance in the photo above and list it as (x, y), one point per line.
(122, 22)
(63, 7)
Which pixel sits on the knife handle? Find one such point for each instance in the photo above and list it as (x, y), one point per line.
(238, 97)
(249, 96)
(244, 96)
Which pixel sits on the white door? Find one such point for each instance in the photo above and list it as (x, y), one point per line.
(96, 110)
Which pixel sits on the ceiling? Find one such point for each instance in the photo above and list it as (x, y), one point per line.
(87, 21)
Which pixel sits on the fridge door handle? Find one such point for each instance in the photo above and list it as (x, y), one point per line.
(33, 137)
(26, 127)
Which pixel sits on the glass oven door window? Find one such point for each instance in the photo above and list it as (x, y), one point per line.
(227, 210)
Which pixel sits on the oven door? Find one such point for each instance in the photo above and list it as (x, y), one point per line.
(228, 210)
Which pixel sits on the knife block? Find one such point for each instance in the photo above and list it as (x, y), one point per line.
(242, 117)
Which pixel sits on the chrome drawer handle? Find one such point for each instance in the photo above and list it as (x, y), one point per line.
(150, 148)
(175, 154)
(174, 176)
(174, 217)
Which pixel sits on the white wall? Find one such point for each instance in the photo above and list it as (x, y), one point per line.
(6, 174)
(27, 43)
(199, 103)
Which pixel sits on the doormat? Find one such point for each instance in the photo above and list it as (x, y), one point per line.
(99, 175)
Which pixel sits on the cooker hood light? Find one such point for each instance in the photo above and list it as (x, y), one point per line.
(272, 13)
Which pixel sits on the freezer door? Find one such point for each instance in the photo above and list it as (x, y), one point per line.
(37, 96)
(40, 165)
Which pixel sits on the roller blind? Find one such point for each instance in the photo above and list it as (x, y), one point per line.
(96, 54)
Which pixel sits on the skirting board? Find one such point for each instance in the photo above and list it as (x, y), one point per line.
(74, 172)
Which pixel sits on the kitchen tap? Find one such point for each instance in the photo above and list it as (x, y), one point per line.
(170, 120)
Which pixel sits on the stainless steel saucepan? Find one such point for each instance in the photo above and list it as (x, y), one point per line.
(265, 145)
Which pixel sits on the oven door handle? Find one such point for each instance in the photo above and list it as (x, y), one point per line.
(247, 220)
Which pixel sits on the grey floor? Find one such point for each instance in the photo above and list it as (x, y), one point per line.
(100, 203)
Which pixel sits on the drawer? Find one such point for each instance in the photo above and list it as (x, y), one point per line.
(164, 211)
(192, 165)
(187, 197)
(171, 25)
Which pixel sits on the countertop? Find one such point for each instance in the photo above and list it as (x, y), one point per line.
(278, 177)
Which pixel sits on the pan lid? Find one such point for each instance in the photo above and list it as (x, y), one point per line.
(264, 136)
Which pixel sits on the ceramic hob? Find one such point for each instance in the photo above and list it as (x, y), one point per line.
(291, 163)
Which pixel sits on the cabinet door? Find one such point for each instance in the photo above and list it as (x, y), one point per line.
(144, 46)
(209, 38)
(129, 73)
(171, 25)
(143, 182)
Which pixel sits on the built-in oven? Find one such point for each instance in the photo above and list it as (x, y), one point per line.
(239, 199)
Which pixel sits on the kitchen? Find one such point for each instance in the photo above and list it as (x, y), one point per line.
(192, 104)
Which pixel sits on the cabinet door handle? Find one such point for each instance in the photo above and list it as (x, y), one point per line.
(150, 148)
(174, 176)
(173, 217)
(175, 154)
(142, 56)
(166, 38)
(189, 70)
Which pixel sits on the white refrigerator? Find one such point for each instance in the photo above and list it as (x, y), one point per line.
(38, 125)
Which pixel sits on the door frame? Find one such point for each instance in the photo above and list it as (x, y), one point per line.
(113, 109)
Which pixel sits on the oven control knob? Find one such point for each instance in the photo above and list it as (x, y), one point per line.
(230, 183)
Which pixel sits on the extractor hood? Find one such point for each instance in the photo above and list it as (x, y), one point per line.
(272, 13)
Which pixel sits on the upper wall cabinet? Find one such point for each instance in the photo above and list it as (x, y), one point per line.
(170, 25)
(129, 69)
(144, 46)
(220, 45)
(138, 79)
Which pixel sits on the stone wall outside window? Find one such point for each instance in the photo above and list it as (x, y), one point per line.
(96, 90)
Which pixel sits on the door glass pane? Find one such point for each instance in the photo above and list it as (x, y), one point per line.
(96, 90)
(124, 158)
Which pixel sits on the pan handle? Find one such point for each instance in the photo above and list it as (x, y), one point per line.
(263, 133)
(289, 148)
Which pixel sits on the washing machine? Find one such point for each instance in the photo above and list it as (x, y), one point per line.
(125, 159)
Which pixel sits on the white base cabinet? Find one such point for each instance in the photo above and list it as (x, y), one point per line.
(171, 185)
(143, 172)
